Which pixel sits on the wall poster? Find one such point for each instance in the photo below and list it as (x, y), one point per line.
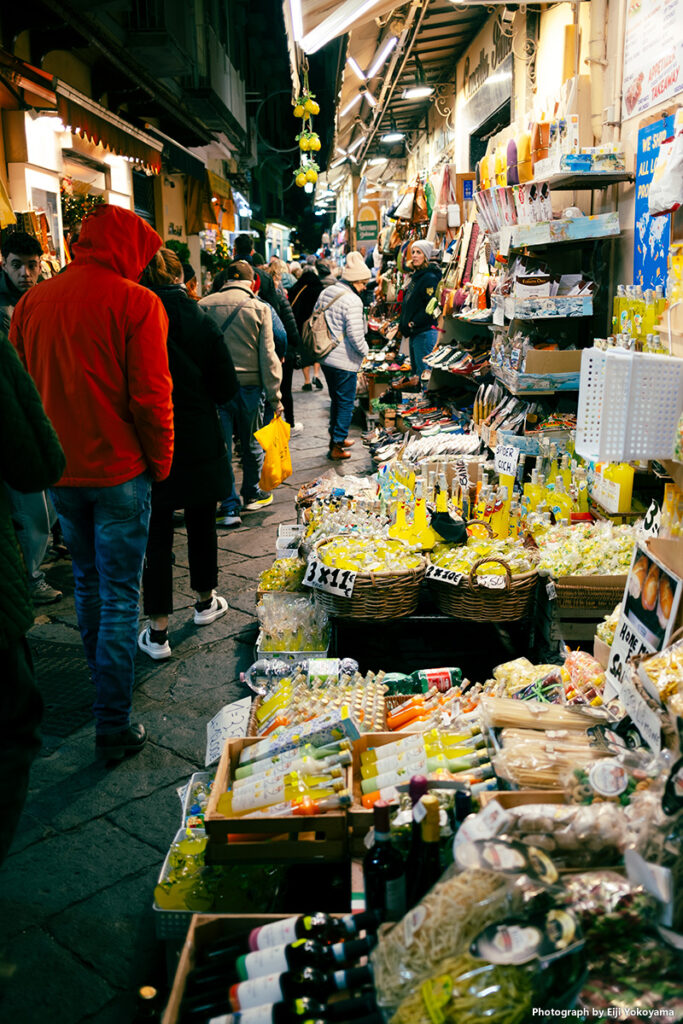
(653, 54)
(652, 234)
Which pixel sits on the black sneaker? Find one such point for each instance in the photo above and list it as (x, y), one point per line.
(306, 387)
(114, 746)
(318, 383)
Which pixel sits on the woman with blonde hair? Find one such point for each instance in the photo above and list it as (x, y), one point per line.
(203, 377)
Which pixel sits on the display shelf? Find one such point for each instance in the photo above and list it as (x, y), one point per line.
(546, 308)
(562, 231)
(570, 181)
(521, 384)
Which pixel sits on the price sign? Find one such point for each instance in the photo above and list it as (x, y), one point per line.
(551, 590)
(230, 722)
(643, 717)
(491, 582)
(332, 581)
(652, 523)
(463, 475)
(436, 572)
(506, 459)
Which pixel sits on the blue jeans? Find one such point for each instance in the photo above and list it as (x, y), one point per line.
(342, 387)
(420, 346)
(243, 412)
(105, 529)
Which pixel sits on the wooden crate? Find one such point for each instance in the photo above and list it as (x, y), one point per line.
(359, 818)
(276, 840)
(204, 929)
(563, 619)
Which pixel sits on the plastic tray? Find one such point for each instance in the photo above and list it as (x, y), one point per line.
(289, 656)
(187, 802)
(173, 924)
(629, 405)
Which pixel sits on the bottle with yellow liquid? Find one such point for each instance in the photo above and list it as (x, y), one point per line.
(561, 504)
(622, 475)
(442, 494)
(534, 489)
(617, 307)
(424, 535)
(566, 474)
(400, 529)
(582, 491)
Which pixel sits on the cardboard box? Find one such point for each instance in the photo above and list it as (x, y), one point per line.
(275, 840)
(601, 651)
(540, 361)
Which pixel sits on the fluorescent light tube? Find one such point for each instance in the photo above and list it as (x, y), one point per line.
(382, 56)
(355, 67)
(349, 106)
(418, 92)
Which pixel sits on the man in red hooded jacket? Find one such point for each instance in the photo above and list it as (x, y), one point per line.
(94, 341)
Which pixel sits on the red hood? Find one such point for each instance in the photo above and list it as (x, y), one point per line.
(118, 239)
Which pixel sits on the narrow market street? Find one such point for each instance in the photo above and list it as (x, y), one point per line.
(76, 891)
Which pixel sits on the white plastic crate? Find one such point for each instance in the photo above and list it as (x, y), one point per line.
(629, 405)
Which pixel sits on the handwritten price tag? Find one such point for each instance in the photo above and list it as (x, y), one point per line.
(436, 572)
(506, 459)
(230, 723)
(491, 582)
(652, 523)
(332, 581)
(463, 475)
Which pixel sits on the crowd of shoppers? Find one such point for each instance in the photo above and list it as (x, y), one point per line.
(123, 393)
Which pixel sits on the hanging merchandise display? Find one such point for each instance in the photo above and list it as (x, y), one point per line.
(306, 108)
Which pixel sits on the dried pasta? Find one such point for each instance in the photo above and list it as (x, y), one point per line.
(464, 990)
(442, 925)
(502, 712)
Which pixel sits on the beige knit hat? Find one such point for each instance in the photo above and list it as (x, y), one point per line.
(355, 269)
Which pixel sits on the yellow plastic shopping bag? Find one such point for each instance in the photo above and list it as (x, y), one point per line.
(277, 465)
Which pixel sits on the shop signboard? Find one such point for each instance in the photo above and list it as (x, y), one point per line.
(367, 230)
(653, 54)
(648, 614)
(652, 234)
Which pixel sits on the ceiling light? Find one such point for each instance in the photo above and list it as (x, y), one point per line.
(370, 98)
(354, 145)
(336, 23)
(420, 89)
(351, 104)
(355, 68)
(337, 163)
(418, 92)
(377, 160)
(393, 135)
(382, 56)
(297, 19)
(341, 151)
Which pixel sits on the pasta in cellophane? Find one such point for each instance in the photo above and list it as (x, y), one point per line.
(442, 925)
(465, 990)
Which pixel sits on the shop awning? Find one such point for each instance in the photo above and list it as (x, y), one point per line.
(17, 78)
(99, 125)
(219, 186)
(178, 157)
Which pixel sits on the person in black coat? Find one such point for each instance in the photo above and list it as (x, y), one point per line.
(203, 377)
(275, 296)
(416, 323)
(302, 298)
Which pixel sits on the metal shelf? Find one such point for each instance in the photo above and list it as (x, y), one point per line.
(575, 181)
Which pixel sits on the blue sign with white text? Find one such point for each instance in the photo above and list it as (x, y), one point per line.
(651, 234)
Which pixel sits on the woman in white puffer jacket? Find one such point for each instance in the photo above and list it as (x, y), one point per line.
(345, 320)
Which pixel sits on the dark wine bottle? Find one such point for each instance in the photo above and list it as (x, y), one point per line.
(383, 870)
(276, 988)
(321, 927)
(306, 1011)
(417, 788)
(427, 868)
(302, 953)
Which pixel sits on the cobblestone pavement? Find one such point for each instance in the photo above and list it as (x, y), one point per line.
(78, 936)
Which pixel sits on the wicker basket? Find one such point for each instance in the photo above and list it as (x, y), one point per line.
(596, 592)
(467, 600)
(377, 596)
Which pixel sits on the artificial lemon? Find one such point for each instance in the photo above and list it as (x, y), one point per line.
(311, 175)
(301, 179)
(299, 110)
(311, 107)
(315, 143)
(304, 144)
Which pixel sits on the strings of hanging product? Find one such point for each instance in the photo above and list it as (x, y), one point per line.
(306, 108)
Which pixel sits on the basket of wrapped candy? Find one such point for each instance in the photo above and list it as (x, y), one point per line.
(589, 563)
(483, 580)
(369, 578)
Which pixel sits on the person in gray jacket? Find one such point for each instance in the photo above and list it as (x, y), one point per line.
(247, 327)
(343, 309)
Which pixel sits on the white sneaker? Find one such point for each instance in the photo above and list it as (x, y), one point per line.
(154, 650)
(228, 520)
(297, 428)
(218, 607)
